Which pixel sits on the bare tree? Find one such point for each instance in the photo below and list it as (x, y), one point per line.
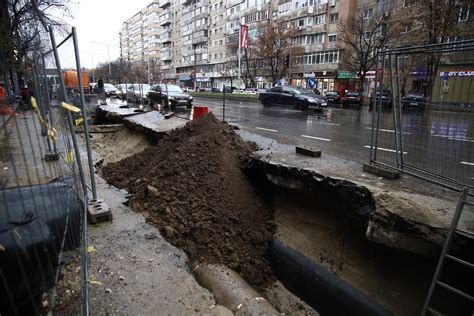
(274, 45)
(429, 22)
(364, 33)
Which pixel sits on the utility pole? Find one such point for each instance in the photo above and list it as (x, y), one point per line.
(195, 69)
(238, 49)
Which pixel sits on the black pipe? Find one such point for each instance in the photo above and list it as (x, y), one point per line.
(319, 288)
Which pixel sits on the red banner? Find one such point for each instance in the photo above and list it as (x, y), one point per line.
(244, 36)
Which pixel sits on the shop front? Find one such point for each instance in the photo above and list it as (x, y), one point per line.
(321, 80)
(346, 81)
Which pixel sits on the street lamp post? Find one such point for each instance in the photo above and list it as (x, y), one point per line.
(93, 65)
(108, 55)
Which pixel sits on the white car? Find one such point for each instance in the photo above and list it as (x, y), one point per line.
(122, 90)
(137, 92)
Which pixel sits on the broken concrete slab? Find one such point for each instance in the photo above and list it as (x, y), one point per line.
(406, 214)
(154, 121)
(308, 151)
(381, 171)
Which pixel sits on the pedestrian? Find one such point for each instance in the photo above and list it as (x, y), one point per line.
(101, 92)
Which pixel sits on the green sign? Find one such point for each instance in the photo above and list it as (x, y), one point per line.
(346, 75)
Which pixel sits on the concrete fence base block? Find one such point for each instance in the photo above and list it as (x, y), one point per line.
(98, 211)
(381, 171)
(308, 151)
(51, 156)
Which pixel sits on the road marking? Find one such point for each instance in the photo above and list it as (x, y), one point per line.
(454, 138)
(467, 163)
(326, 123)
(388, 130)
(386, 149)
(267, 129)
(317, 138)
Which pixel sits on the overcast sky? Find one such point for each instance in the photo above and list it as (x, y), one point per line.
(100, 21)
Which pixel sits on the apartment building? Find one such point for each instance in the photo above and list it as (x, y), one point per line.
(140, 37)
(316, 25)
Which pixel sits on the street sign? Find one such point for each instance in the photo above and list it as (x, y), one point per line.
(311, 82)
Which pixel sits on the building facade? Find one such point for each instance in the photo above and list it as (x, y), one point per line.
(140, 40)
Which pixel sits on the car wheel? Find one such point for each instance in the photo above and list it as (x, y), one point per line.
(266, 103)
(189, 105)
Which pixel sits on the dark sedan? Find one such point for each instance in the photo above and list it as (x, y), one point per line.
(352, 97)
(300, 98)
(157, 95)
(414, 99)
(333, 96)
(386, 99)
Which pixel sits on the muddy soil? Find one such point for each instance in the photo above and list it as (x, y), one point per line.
(193, 188)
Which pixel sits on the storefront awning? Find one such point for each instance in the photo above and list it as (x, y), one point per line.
(184, 78)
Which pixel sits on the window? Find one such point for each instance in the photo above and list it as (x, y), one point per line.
(320, 19)
(464, 13)
(334, 17)
(331, 38)
(368, 13)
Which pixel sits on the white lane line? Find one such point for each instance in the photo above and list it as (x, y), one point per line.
(266, 129)
(317, 138)
(388, 130)
(467, 163)
(386, 149)
(326, 123)
(454, 138)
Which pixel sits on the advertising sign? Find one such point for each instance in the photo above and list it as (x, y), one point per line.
(244, 36)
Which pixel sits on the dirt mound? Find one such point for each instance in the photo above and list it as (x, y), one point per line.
(193, 187)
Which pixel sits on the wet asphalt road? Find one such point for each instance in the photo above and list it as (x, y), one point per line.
(438, 141)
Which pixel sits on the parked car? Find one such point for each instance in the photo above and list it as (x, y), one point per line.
(205, 89)
(157, 95)
(386, 99)
(251, 90)
(109, 89)
(300, 98)
(229, 89)
(333, 96)
(414, 99)
(351, 97)
(122, 90)
(137, 92)
(217, 90)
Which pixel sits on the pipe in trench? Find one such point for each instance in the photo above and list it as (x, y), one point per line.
(320, 289)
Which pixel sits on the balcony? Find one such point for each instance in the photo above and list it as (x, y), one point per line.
(166, 67)
(199, 39)
(164, 3)
(165, 37)
(186, 2)
(165, 20)
(166, 56)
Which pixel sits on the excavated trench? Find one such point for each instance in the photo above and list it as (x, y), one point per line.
(208, 194)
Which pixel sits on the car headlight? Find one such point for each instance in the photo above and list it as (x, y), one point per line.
(170, 98)
(190, 97)
(312, 100)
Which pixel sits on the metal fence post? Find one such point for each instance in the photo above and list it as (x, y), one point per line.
(48, 102)
(394, 109)
(85, 276)
(84, 113)
(379, 107)
(374, 109)
(399, 112)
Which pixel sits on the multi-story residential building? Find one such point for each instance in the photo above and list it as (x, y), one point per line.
(140, 38)
(316, 26)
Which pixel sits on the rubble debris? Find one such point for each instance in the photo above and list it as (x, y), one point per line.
(203, 202)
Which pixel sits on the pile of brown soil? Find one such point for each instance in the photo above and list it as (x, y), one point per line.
(193, 187)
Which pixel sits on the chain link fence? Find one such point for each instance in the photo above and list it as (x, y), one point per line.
(422, 119)
(46, 182)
